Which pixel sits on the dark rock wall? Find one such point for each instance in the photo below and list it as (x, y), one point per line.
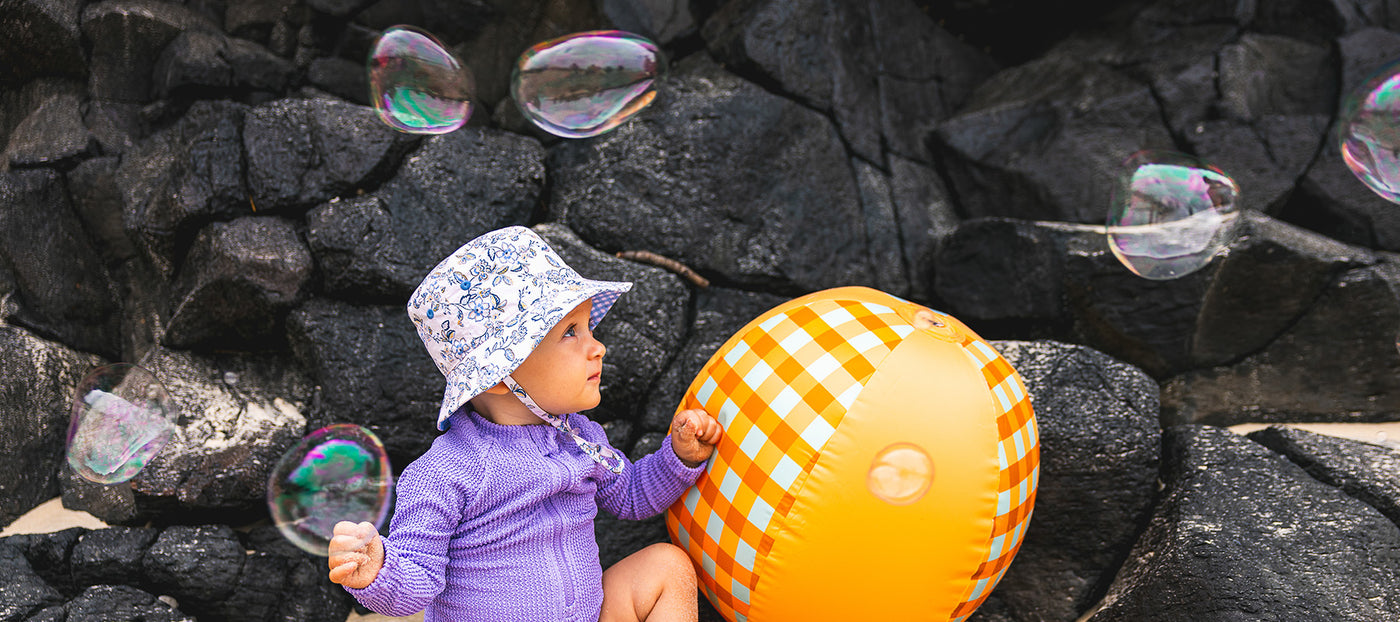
(199, 187)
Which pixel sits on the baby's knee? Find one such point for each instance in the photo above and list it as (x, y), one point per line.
(673, 560)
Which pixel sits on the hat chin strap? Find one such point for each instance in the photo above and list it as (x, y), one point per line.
(602, 454)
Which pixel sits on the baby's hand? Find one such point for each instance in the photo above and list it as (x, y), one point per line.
(356, 554)
(693, 436)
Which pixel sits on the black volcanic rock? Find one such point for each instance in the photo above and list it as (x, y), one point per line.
(884, 71)
(454, 187)
(1362, 470)
(98, 202)
(1045, 140)
(1242, 533)
(201, 62)
(1300, 375)
(111, 556)
(302, 152)
(999, 268)
(925, 215)
(371, 369)
(35, 402)
(41, 39)
(237, 284)
(182, 178)
(642, 331)
(1099, 449)
(198, 564)
(661, 21)
(126, 38)
(52, 135)
(62, 288)
(340, 77)
(120, 603)
(719, 314)
(724, 177)
(50, 554)
(22, 591)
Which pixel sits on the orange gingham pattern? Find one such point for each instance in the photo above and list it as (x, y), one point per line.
(776, 421)
(1018, 453)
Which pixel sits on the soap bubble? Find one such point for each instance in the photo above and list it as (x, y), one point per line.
(900, 474)
(1368, 131)
(416, 85)
(339, 472)
(586, 83)
(121, 417)
(1171, 214)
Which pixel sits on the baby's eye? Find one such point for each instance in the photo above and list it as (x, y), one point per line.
(569, 332)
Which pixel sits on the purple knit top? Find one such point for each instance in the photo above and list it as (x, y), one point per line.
(495, 523)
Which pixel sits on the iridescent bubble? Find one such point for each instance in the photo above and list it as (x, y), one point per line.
(1171, 214)
(416, 85)
(337, 473)
(1369, 132)
(121, 417)
(586, 83)
(900, 474)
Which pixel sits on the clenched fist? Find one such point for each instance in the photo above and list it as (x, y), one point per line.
(356, 554)
(693, 436)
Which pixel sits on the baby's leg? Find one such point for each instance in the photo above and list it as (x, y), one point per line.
(655, 584)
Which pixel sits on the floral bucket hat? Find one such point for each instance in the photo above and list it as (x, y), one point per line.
(485, 307)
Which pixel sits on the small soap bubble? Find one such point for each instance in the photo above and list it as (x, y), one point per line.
(121, 417)
(900, 474)
(416, 85)
(1171, 214)
(1368, 131)
(586, 83)
(337, 473)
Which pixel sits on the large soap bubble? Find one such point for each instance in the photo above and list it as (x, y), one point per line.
(1369, 132)
(337, 473)
(1171, 214)
(416, 85)
(121, 417)
(586, 83)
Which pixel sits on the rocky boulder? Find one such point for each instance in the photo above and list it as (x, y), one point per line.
(1362, 470)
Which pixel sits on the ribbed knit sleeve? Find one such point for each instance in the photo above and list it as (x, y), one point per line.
(648, 486)
(432, 496)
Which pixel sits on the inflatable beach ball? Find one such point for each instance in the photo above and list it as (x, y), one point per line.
(879, 462)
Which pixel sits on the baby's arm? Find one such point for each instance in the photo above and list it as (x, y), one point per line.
(431, 497)
(649, 486)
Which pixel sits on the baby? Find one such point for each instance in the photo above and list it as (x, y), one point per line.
(495, 521)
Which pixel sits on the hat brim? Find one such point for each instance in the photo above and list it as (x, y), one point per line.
(463, 384)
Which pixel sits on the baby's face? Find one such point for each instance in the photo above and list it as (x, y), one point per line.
(562, 374)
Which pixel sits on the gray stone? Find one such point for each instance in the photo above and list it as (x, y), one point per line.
(19, 103)
(724, 177)
(204, 63)
(93, 188)
(302, 152)
(50, 555)
(882, 229)
(116, 125)
(1100, 444)
(41, 39)
(1362, 470)
(62, 288)
(35, 401)
(378, 247)
(1300, 376)
(719, 314)
(926, 217)
(52, 135)
(237, 284)
(619, 538)
(999, 269)
(1265, 157)
(238, 414)
(1265, 75)
(642, 331)
(182, 178)
(1045, 140)
(371, 369)
(126, 38)
(1242, 533)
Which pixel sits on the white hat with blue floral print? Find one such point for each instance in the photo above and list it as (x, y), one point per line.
(482, 310)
